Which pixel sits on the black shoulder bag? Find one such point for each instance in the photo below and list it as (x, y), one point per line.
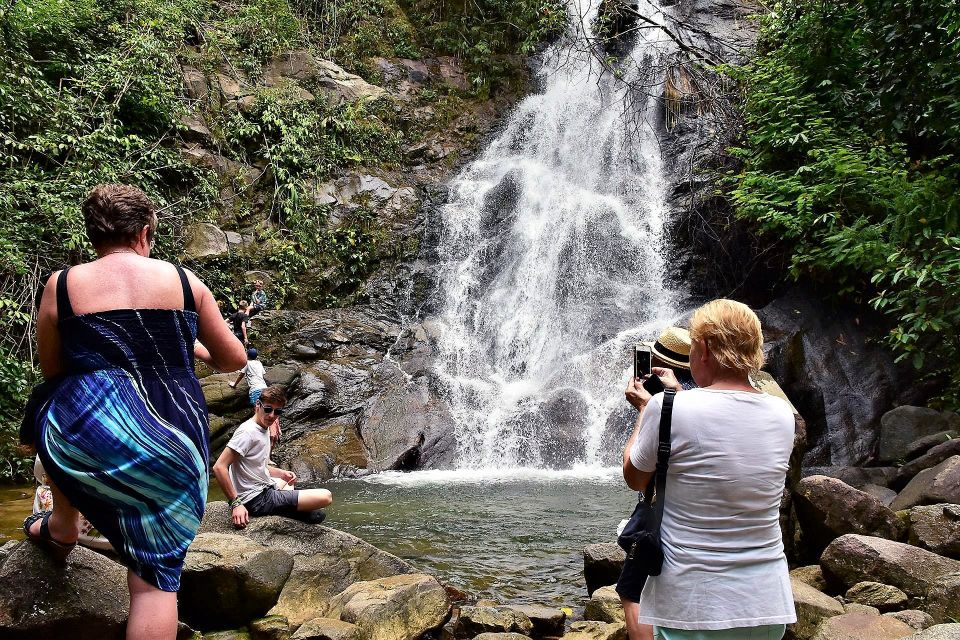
(641, 537)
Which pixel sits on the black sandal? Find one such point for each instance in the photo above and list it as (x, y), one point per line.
(59, 550)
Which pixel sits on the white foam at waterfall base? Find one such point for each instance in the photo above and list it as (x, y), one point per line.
(493, 475)
(553, 264)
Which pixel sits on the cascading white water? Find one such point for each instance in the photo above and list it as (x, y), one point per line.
(552, 264)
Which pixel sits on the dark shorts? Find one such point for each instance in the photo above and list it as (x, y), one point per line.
(272, 502)
(632, 579)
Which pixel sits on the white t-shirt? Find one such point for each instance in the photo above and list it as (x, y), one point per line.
(255, 375)
(249, 474)
(723, 552)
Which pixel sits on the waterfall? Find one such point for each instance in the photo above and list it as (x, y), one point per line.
(552, 263)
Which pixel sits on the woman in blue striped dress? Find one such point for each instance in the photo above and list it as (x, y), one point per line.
(124, 437)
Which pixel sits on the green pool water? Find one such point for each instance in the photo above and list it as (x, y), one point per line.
(509, 535)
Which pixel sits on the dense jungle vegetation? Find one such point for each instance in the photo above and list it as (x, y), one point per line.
(93, 92)
(851, 162)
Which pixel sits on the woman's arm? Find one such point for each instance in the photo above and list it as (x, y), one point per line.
(638, 397)
(48, 333)
(223, 349)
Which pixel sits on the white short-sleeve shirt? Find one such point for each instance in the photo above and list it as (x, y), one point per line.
(255, 375)
(724, 565)
(249, 473)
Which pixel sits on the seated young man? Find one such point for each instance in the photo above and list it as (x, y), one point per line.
(247, 480)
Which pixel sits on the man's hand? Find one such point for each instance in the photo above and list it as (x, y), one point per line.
(275, 432)
(667, 377)
(240, 517)
(287, 476)
(636, 394)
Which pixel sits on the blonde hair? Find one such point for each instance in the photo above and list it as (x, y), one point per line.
(732, 331)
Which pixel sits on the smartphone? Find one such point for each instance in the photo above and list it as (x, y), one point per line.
(653, 385)
(641, 360)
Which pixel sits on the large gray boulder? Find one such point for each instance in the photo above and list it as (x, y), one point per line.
(811, 575)
(85, 600)
(854, 558)
(939, 632)
(477, 620)
(229, 579)
(326, 629)
(921, 445)
(828, 508)
(547, 621)
(812, 607)
(325, 561)
(602, 564)
(915, 618)
(936, 527)
(595, 630)
(901, 427)
(402, 607)
(943, 598)
(931, 486)
(857, 626)
(934, 456)
(204, 240)
(857, 477)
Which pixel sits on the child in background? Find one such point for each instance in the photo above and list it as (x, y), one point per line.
(258, 299)
(255, 376)
(238, 322)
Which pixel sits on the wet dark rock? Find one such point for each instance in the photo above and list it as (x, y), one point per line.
(547, 621)
(475, 620)
(875, 594)
(923, 444)
(86, 600)
(841, 383)
(901, 427)
(602, 564)
(269, 628)
(943, 598)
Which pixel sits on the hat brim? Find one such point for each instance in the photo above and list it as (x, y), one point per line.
(665, 358)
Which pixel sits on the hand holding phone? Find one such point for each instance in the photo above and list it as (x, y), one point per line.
(642, 360)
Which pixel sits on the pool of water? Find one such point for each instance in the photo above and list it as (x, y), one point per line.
(511, 535)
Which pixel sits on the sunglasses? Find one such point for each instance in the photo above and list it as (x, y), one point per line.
(268, 409)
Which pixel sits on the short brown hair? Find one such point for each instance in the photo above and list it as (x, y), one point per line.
(116, 213)
(732, 331)
(273, 395)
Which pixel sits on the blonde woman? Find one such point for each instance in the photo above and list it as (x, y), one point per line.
(724, 573)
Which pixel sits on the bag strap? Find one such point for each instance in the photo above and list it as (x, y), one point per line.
(189, 304)
(663, 455)
(64, 308)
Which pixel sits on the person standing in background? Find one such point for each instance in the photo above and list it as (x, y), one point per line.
(238, 322)
(254, 373)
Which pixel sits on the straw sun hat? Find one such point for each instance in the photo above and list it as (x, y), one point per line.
(673, 347)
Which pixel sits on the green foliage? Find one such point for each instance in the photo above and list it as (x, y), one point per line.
(850, 162)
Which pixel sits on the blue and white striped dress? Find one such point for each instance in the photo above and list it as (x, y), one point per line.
(125, 436)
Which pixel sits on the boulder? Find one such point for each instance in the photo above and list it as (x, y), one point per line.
(839, 379)
(85, 600)
(229, 579)
(313, 454)
(938, 484)
(811, 575)
(828, 508)
(325, 561)
(875, 594)
(195, 130)
(593, 630)
(326, 629)
(915, 618)
(854, 558)
(857, 477)
(856, 607)
(943, 598)
(883, 494)
(861, 626)
(812, 608)
(501, 636)
(936, 527)
(931, 458)
(939, 632)
(269, 628)
(407, 425)
(547, 621)
(235, 634)
(402, 607)
(222, 399)
(195, 83)
(204, 240)
(475, 620)
(602, 564)
(901, 427)
(604, 605)
(921, 445)
(345, 86)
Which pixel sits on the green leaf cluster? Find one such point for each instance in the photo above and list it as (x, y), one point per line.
(851, 166)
